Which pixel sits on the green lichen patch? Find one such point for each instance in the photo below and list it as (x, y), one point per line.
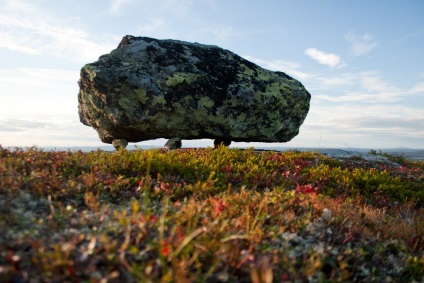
(158, 100)
(246, 71)
(206, 102)
(181, 78)
(265, 75)
(132, 99)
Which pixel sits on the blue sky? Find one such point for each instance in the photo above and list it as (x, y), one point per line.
(362, 61)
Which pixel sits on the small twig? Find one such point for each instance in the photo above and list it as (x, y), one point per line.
(187, 240)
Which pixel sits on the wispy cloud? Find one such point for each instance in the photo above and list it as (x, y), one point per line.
(331, 82)
(168, 9)
(222, 33)
(389, 123)
(9, 41)
(291, 68)
(19, 125)
(166, 18)
(357, 124)
(418, 33)
(27, 29)
(324, 58)
(360, 44)
(117, 5)
(178, 9)
(151, 27)
(38, 92)
(36, 76)
(418, 88)
(364, 87)
(55, 131)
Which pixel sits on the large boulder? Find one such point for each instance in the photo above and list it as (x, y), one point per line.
(149, 88)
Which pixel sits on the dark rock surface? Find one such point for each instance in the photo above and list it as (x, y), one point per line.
(149, 88)
(174, 143)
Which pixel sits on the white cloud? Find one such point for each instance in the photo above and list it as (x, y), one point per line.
(361, 97)
(324, 58)
(36, 77)
(117, 5)
(27, 29)
(21, 5)
(364, 125)
(54, 131)
(38, 92)
(166, 19)
(364, 87)
(363, 109)
(360, 44)
(223, 33)
(290, 68)
(376, 83)
(418, 88)
(13, 43)
(330, 82)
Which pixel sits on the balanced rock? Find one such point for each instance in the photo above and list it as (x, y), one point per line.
(149, 88)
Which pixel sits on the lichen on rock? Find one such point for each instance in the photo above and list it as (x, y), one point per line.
(149, 88)
(119, 144)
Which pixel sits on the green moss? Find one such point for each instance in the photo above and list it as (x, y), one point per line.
(219, 119)
(132, 99)
(180, 78)
(158, 100)
(241, 117)
(266, 75)
(206, 102)
(140, 95)
(232, 102)
(252, 132)
(166, 120)
(201, 115)
(246, 71)
(275, 89)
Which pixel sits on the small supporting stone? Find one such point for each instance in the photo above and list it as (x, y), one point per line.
(218, 142)
(119, 144)
(174, 143)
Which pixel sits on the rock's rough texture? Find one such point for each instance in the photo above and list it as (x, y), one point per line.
(174, 143)
(119, 144)
(149, 88)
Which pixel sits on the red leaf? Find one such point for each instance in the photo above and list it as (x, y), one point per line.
(219, 206)
(306, 189)
(164, 249)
